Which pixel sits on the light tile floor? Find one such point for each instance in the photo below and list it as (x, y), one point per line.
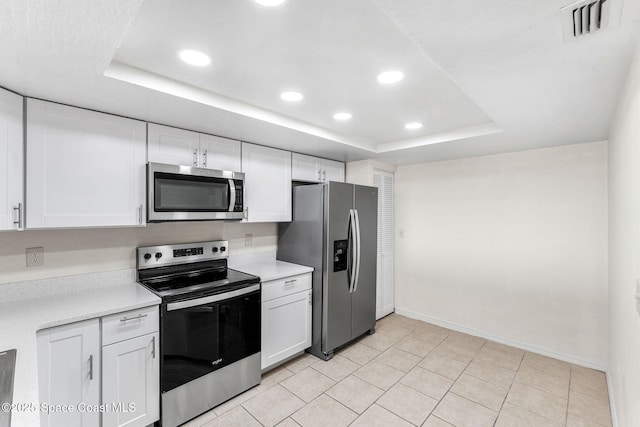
(411, 373)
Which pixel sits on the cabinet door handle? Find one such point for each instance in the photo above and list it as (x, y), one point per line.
(324, 175)
(153, 347)
(319, 177)
(91, 367)
(139, 316)
(204, 159)
(310, 299)
(140, 214)
(246, 213)
(195, 157)
(19, 213)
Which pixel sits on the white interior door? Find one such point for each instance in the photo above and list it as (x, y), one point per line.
(384, 286)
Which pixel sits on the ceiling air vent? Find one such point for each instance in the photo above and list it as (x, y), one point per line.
(589, 16)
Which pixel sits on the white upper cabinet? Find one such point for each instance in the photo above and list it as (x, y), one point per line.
(267, 183)
(220, 153)
(84, 168)
(305, 168)
(332, 170)
(11, 161)
(173, 146)
(315, 169)
(183, 147)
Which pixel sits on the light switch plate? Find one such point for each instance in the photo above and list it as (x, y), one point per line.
(35, 257)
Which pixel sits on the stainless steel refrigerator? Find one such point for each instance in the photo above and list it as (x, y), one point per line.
(334, 230)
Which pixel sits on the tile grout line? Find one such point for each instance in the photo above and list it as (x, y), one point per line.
(509, 389)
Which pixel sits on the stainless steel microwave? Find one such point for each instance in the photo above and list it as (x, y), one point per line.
(185, 193)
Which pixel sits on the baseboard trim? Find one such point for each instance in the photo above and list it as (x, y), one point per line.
(612, 403)
(502, 340)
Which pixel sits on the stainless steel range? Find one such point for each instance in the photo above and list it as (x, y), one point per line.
(209, 326)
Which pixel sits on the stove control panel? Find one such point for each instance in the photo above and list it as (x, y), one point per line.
(157, 256)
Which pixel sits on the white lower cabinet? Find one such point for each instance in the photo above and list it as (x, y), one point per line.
(286, 318)
(131, 368)
(69, 374)
(73, 370)
(130, 382)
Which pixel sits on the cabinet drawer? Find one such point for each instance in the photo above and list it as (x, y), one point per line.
(285, 286)
(129, 324)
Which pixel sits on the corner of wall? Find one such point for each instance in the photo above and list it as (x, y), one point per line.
(623, 375)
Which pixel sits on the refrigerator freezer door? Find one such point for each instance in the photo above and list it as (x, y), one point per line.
(336, 330)
(364, 297)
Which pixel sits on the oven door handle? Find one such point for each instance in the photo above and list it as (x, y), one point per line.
(213, 298)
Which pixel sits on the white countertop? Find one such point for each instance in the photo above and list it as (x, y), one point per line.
(21, 318)
(270, 269)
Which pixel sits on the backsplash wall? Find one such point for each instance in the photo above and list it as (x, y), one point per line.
(81, 251)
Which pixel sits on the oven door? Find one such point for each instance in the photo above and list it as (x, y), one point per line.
(183, 193)
(202, 335)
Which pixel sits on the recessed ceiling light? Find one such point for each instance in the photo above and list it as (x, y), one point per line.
(193, 57)
(390, 77)
(291, 96)
(342, 116)
(413, 125)
(269, 3)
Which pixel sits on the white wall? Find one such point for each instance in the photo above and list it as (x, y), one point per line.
(79, 251)
(512, 247)
(624, 257)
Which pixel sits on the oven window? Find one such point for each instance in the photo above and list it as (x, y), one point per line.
(183, 193)
(198, 340)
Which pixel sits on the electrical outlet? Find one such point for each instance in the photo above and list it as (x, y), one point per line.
(35, 257)
(248, 239)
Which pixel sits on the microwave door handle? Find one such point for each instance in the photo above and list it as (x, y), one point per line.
(232, 195)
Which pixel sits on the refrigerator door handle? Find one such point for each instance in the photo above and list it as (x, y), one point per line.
(358, 250)
(351, 250)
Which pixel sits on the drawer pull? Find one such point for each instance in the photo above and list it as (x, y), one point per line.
(139, 316)
(290, 282)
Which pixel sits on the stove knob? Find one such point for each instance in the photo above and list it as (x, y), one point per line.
(158, 255)
(222, 248)
(215, 249)
(147, 256)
